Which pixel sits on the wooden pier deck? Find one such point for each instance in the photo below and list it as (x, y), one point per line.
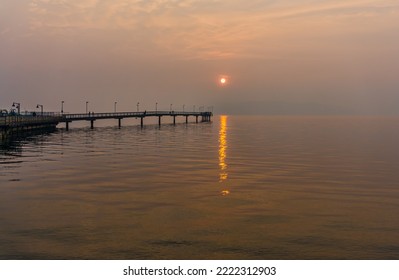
(22, 123)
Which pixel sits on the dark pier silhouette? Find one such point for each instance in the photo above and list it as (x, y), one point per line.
(17, 124)
(92, 117)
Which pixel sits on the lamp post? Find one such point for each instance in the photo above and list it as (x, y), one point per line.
(183, 107)
(87, 106)
(18, 106)
(41, 107)
(171, 107)
(193, 108)
(62, 107)
(138, 104)
(115, 106)
(156, 107)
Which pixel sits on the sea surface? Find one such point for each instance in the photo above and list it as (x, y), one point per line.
(240, 187)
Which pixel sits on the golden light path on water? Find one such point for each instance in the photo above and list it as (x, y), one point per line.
(222, 153)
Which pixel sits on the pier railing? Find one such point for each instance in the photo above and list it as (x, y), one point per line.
(116, 115)
(24, 120)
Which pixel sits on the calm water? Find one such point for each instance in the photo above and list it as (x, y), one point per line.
(237, 188)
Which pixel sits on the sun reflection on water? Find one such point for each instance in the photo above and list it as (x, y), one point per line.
(222, 153)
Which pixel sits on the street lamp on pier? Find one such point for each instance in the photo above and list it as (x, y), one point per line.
(87, 106)
(115, 106)
(171, 107)
(156, 107)
(138, 104)
(62, 107)
(18, 106)
(193, 108)
(41, 108)
(183, 107)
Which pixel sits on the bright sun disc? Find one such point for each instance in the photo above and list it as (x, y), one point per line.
(223, 80)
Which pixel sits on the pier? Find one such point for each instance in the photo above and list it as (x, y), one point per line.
(22, 124)
(15, 124)
(92, 117)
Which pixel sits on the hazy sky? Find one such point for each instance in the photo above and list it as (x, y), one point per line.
(279, 57)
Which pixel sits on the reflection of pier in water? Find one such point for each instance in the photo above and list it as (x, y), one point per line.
(222, 153)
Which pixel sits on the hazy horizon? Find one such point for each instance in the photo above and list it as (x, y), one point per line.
(279, 57)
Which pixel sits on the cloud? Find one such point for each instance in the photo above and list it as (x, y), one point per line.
(208, 29)
(333, 8)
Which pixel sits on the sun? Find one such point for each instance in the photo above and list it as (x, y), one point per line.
(223, 80)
